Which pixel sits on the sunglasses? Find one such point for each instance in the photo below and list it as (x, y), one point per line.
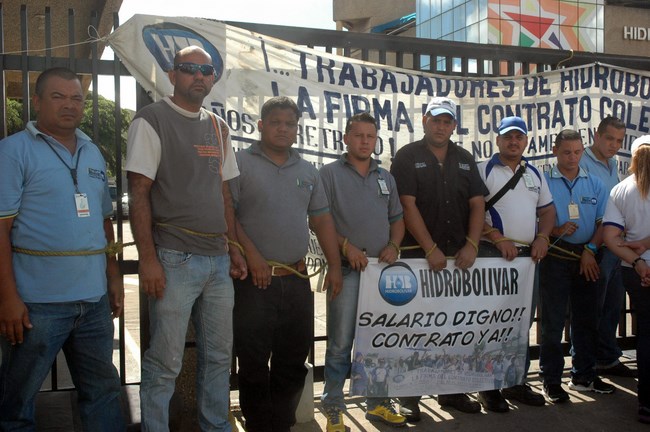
(193, 68)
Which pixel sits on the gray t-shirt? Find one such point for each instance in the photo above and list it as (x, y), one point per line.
(362, 207)
(186, 193)
(272, 202)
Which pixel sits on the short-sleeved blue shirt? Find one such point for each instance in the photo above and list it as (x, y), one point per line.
(588, 192)
(608, 173)
(38, 192)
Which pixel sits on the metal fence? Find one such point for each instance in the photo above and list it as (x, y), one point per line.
(440, 57)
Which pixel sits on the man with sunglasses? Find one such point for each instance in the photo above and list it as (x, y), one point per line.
(179, 160)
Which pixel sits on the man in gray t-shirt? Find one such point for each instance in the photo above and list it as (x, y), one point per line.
(275, 196)
(368, 216)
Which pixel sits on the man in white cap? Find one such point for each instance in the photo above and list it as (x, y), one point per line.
(442, 196)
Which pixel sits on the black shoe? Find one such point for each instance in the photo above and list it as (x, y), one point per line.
(620, 370)
(410, 409)
(524, 394)
(461, 402)
(555, 393)
(644, 414)
(493, 401)
(596, 386)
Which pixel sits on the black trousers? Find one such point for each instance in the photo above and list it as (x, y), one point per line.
(273, 331)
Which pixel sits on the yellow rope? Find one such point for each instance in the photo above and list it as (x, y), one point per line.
(113, 248)
(279, 264)
(192, 232)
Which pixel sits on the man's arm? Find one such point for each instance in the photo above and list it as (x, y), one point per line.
(612, 238)
(539, 246)
(238, 268)
(390, 253)
(588, 264)
(113, 275)
(467, 254)
(415, 225)
(258, 268)
(150, 271)
(323, 226)
(506, 246)
(13, 312)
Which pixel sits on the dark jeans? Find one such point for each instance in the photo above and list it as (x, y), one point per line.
(272, 324)
(611, 297)
(640, 298)
(560, 284)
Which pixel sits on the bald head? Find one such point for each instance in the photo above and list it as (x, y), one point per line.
(187, 51)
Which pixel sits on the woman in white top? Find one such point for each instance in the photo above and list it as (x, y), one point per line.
(628, 211)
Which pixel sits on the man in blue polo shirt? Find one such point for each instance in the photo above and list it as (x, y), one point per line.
(54, 198)
(569, 275)
(598, 160)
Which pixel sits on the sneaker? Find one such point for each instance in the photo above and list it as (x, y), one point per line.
(596, 386)
(409, 408)
(555, 393)
(493, 401)
(334, 420)
(524, 394)
(461, 402)
(385, 413)
(644, 414)
(620, 370)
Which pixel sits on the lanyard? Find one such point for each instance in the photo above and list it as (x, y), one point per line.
(568, 186)
(73, 171)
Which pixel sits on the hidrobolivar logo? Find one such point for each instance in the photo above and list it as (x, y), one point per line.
(397, 284)
(163, 40)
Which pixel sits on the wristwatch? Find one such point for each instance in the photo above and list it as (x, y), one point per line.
(592, 247)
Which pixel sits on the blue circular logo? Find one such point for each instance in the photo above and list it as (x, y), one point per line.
(398, 284)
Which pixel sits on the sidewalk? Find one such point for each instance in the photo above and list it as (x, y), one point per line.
(585, 412)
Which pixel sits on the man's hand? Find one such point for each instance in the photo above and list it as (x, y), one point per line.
(238, 267)
(466, 256)
(116, 294)
(259, 269)
(333, 283)
(437, 260)
(13, 317)
(388, 255)
(357, 259)
(589, 266)
(152, 278)
(538, 249)
(566, 229)
(508, 249)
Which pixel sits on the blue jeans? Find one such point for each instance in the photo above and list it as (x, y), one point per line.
(561, 283)
(272, 325)
(85, 333)
(199, 287)
(611, 297)
(341, 322)
(640, 299)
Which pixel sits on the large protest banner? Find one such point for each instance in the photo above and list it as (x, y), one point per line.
(328, 88)
(423, 332)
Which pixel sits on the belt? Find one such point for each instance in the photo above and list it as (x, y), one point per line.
(576, 248)
(299, 266)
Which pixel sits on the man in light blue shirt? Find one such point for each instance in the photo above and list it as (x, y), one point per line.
(568, 276)
(598, 160)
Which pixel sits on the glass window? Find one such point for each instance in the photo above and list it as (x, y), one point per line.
(588, 16)
(436, 8)
(459, 18)
(587, 38)
(473, 34)
(446, 5)
(482, 9)
(458, 2)
(424, 10)
(436, 27)
(424, 30)
(530, 10)
(459, 35)
(600, 40)
(600, 17)
(471, 9)
(447, 23)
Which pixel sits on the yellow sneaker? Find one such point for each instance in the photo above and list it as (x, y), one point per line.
(385, 413)
(334, 420)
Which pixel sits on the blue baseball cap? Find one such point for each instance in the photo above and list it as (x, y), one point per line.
(513, 123)
(441, 105)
